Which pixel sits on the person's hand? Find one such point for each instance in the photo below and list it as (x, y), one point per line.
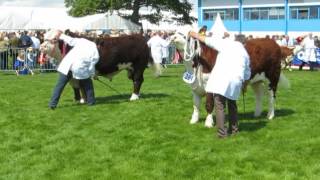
(193, 34)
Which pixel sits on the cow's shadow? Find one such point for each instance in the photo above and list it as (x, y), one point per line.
(121, 98)
(278, 113)
(247, 121)
(250, 123)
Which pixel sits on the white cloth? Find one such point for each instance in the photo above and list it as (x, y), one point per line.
(231, 69)
(156, 43)
(35, 42)
(285, 42)
(309, 49)
(81, 59)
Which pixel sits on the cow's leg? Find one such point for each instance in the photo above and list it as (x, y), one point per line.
(209, 107)
(273, 76)
(137, 82)
(196, 108)
(258, 91)
(271, 104)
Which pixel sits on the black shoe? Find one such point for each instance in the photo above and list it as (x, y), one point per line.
(52, 107)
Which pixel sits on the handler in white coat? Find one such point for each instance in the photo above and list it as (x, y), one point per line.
(156, 43)
(232, 68)
(79, 63)
(309, 50)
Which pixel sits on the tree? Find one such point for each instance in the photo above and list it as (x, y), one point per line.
(179, 8)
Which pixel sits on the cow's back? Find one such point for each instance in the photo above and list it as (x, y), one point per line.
(265, 56)
(122, 50)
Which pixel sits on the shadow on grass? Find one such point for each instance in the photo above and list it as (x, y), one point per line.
(167, 76)
(247, 122)
(278, 113)
(115, 99)
(252, 126)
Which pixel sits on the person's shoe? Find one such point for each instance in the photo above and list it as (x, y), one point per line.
(52, 107)
(233, 131)
(222, 133)
(221, 136)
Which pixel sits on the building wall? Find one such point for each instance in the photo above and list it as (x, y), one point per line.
(257, 17)
(207, 3)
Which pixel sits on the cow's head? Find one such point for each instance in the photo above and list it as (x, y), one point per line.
(50, 46)
(179, 40)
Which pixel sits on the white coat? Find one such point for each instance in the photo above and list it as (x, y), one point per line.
(232, 68)
(156, 43)
(309, 49)
(81, 59)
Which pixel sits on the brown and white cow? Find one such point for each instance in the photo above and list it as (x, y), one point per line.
(287, 54)
(128, 52)
(265, 64)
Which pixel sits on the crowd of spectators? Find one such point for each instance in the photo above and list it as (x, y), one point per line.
(23, 47)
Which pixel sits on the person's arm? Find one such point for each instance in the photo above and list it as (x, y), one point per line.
(197, 36)
(58, 34)
(213, 42)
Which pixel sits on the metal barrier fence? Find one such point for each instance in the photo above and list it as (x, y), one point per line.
(25, 61)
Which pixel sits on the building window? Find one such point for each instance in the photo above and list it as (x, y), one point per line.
(314, 12)
(311, 12)
(263, 13)
(225, 14)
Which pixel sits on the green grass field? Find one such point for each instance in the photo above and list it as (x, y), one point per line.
(151, 138)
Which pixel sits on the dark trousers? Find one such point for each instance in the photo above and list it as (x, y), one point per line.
(87, 85)
(62, 81)
(219, 103)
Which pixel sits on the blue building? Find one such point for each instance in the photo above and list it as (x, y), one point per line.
(258, 17)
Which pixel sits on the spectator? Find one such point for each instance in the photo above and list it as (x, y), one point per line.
(287, 41)
(309, 51)
(203, 30)
(165, 50)
(156, 43)
(24, 40)
(4, 52)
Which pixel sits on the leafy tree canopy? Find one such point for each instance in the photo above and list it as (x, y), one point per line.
(179, 8)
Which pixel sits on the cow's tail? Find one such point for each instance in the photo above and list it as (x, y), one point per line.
(283, 82)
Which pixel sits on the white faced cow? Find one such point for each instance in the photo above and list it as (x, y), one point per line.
(128, 52)
(265, 64)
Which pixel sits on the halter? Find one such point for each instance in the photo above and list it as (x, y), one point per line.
(190, 48)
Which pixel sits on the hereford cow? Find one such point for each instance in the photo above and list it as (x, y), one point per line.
(128, 52)
(265, 64)
(287, 54)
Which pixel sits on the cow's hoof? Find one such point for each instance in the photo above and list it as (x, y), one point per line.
(270, 116)
(134, 97)
(194, 119)
(82, 101)
(209, 122)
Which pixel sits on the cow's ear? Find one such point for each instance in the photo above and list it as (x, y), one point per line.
(67, 32)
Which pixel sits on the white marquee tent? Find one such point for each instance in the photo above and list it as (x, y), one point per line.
(218, 27)
(31, 18)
